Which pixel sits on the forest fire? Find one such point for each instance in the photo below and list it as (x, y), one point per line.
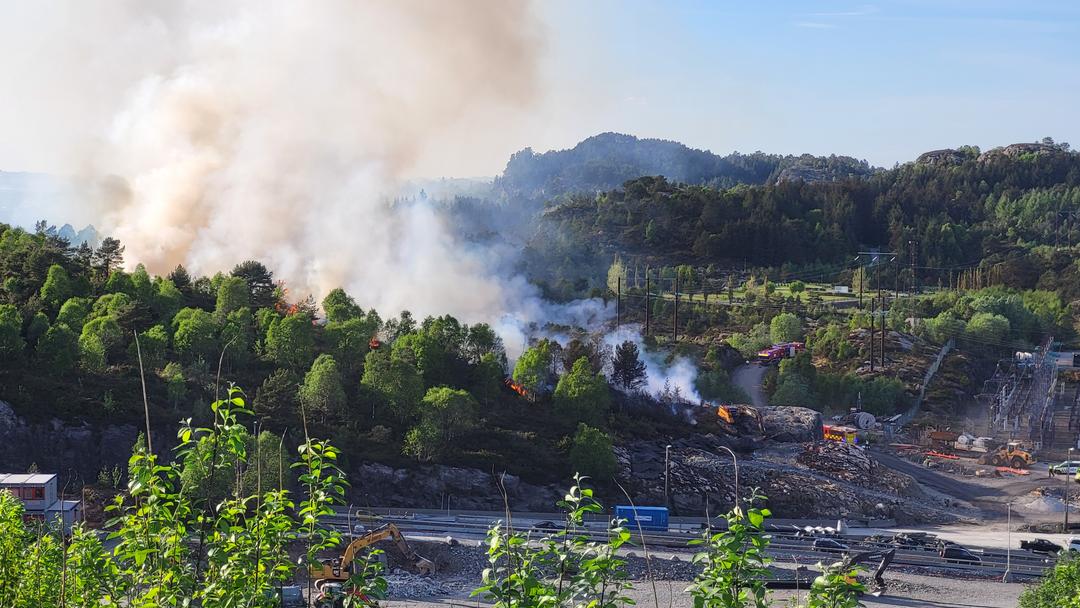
(282, 305)
(517, 388)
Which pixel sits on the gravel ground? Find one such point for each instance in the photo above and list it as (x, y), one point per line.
(905, 590)
(460, 566)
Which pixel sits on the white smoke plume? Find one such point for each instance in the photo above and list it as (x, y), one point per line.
(680, 374)
(274, 130)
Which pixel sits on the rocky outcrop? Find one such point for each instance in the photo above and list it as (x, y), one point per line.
(1015, 150)
(437, 486)
(791, 424)
(804, 173)
(63, 448)
(947, 156)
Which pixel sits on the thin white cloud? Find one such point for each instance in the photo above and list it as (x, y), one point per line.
(862, 11)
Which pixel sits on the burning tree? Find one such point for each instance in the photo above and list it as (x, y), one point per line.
(532, 372)
(627, 369)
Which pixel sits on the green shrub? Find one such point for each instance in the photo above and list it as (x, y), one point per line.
(591, 453)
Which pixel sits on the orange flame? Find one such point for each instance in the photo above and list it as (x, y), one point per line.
(517, 388)
(282, 306)
(724, 413)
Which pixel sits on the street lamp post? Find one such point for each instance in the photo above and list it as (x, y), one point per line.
(735, 462)
(1008, 549)
(667, 476)
(1065, 477)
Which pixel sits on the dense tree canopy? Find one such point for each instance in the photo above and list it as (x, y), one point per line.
(322, 393)
(290, 341)
(582, 395)
(533, 367)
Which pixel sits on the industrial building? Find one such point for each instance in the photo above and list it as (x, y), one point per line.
(40, 498)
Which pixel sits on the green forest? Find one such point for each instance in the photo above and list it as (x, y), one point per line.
(990, 235)
(1008, 215)
(75, 327)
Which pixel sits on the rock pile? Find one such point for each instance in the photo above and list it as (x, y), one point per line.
(791, 424)
(841, 460)
(820, 480)
(403, 585)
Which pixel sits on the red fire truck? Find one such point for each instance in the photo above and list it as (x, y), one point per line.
(778, 352)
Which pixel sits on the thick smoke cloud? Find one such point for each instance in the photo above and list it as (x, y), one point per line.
(216, 132)
(680, 374)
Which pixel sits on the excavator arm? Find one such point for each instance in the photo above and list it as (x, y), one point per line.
(358, 545)
(885, 557)
(339, 569)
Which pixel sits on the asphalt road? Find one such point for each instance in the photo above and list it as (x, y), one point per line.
(949, 485)
(786, 545)
(989, 495)
(748, 377)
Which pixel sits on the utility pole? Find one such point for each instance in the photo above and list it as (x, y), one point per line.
(913, 246)
(675, 316)
(862, 279)
(881, 297)
(875, 261)
(877, 279)
(618, 302)
(646, 301)
(872, 303)
(882, 349)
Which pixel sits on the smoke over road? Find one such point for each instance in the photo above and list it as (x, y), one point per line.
(216, 132)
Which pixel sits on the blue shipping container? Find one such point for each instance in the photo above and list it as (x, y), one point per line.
(649, 518)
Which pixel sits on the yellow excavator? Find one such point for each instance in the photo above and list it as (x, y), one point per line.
(340, 568)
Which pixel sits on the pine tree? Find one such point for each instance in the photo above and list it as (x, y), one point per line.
(109, 256)
(628, 370)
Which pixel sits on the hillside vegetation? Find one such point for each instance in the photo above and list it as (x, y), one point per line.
(1008, 216)
(993, 233)
(605, 161)
(74, 328)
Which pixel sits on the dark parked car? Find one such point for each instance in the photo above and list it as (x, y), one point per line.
(829, 545)
(1040, 545)
(549, 527)
(955, 554)
(916, 540)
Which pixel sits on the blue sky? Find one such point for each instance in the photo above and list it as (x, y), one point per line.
(882, 81)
